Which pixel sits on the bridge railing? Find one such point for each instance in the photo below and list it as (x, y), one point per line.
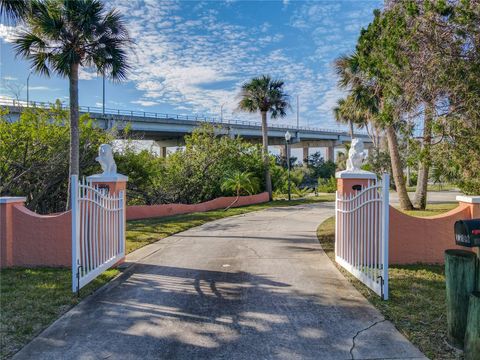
(156, 115)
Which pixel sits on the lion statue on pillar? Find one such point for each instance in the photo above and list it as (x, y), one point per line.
(356, 155)
(105, 158)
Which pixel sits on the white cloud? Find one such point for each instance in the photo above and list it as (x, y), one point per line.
(144, 102)
(42, 88)
(197, 62)
(8, 33)
(87, 74)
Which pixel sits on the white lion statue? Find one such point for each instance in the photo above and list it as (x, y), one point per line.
(356, 155)
(105, 158)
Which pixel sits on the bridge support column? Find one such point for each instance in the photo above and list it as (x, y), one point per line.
(330, 153)
(163, 151)
(305, 154)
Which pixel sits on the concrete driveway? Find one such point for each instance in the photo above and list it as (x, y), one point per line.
(255, 286)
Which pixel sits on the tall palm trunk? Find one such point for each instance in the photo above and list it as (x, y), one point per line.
(351, 129)
(420, 199)
(397, 170)
(266, 158)
(74, 131)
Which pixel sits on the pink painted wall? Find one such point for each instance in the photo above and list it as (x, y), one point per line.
(424, 240)
(44, 240)
(152, 211)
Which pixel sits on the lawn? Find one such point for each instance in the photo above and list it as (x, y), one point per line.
(31, 299)
(432, 209)
(417, 299)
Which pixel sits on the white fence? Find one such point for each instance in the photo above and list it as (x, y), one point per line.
(98, 231)
(361, 236)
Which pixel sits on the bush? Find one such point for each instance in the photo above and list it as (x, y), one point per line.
(34, 155)
(327, 185)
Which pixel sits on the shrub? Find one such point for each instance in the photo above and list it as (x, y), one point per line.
(34, 153)
(327, 185)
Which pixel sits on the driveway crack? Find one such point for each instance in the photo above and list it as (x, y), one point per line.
(359, 332)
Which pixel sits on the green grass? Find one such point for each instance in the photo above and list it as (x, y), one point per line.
(417, 299)
(147, 231)
(432, 210)
(31, 299)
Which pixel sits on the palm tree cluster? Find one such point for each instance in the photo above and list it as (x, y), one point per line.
(62, 37)
(265, 95)
(362, 107)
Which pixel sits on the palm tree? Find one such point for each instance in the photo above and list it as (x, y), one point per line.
(348, 111)
(239, 182)
(62, 36)
(14, 9)
(264, 95)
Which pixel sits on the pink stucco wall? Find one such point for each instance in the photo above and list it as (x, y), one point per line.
(424, 240)
(152, 211)
(29, 239)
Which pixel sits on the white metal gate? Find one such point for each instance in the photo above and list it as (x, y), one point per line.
(98, 231)
(361, 236)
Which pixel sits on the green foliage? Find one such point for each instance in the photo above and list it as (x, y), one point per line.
(327, 185)
(60, 34)
(196, 173)
(241, 183)
(144, 171)
(265, 95)
(34, 153)
(378, 162)
(319, 167)
(457, 160)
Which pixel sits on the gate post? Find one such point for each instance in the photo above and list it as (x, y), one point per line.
(113, 183)
(349, 182)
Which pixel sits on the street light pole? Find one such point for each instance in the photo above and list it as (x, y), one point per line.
(288, 137)
(221, 112)
(28, 88)
(298, 113)
(103, 92)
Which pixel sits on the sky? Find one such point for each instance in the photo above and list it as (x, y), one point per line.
(191, 57)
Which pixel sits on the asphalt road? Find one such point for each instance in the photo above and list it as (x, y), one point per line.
(433, 197)
(254, 286)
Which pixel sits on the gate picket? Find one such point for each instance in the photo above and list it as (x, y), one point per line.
(98, 234)
(361, 237)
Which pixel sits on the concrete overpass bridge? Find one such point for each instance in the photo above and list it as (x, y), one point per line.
(169, 130)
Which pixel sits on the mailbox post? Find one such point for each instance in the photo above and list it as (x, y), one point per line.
(463, 301)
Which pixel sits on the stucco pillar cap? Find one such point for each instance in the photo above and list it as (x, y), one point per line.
(12, 199)
(468, 199)
(107, 178)
(357, 174)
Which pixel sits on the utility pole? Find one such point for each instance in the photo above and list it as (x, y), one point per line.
(298, 112)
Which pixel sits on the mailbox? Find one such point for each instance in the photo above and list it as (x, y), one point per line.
(467, 232)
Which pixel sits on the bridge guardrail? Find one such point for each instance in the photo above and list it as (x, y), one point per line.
(157, 115)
